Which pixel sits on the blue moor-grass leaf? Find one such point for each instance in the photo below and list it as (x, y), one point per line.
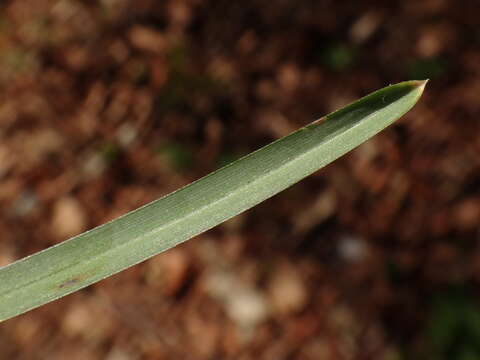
(175, 218)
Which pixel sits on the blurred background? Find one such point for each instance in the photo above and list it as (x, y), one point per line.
(106, 105)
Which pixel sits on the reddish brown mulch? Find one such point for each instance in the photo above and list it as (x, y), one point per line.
(106, 105)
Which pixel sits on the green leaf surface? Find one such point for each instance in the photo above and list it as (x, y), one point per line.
(199, 206)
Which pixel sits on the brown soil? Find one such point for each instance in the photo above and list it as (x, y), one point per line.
(106, 105)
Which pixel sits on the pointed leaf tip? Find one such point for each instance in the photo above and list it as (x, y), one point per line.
(419, 83)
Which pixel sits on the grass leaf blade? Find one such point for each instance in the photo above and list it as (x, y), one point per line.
(175, 218)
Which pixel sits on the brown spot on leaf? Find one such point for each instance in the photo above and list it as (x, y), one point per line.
(318, 121)
(69, 283)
